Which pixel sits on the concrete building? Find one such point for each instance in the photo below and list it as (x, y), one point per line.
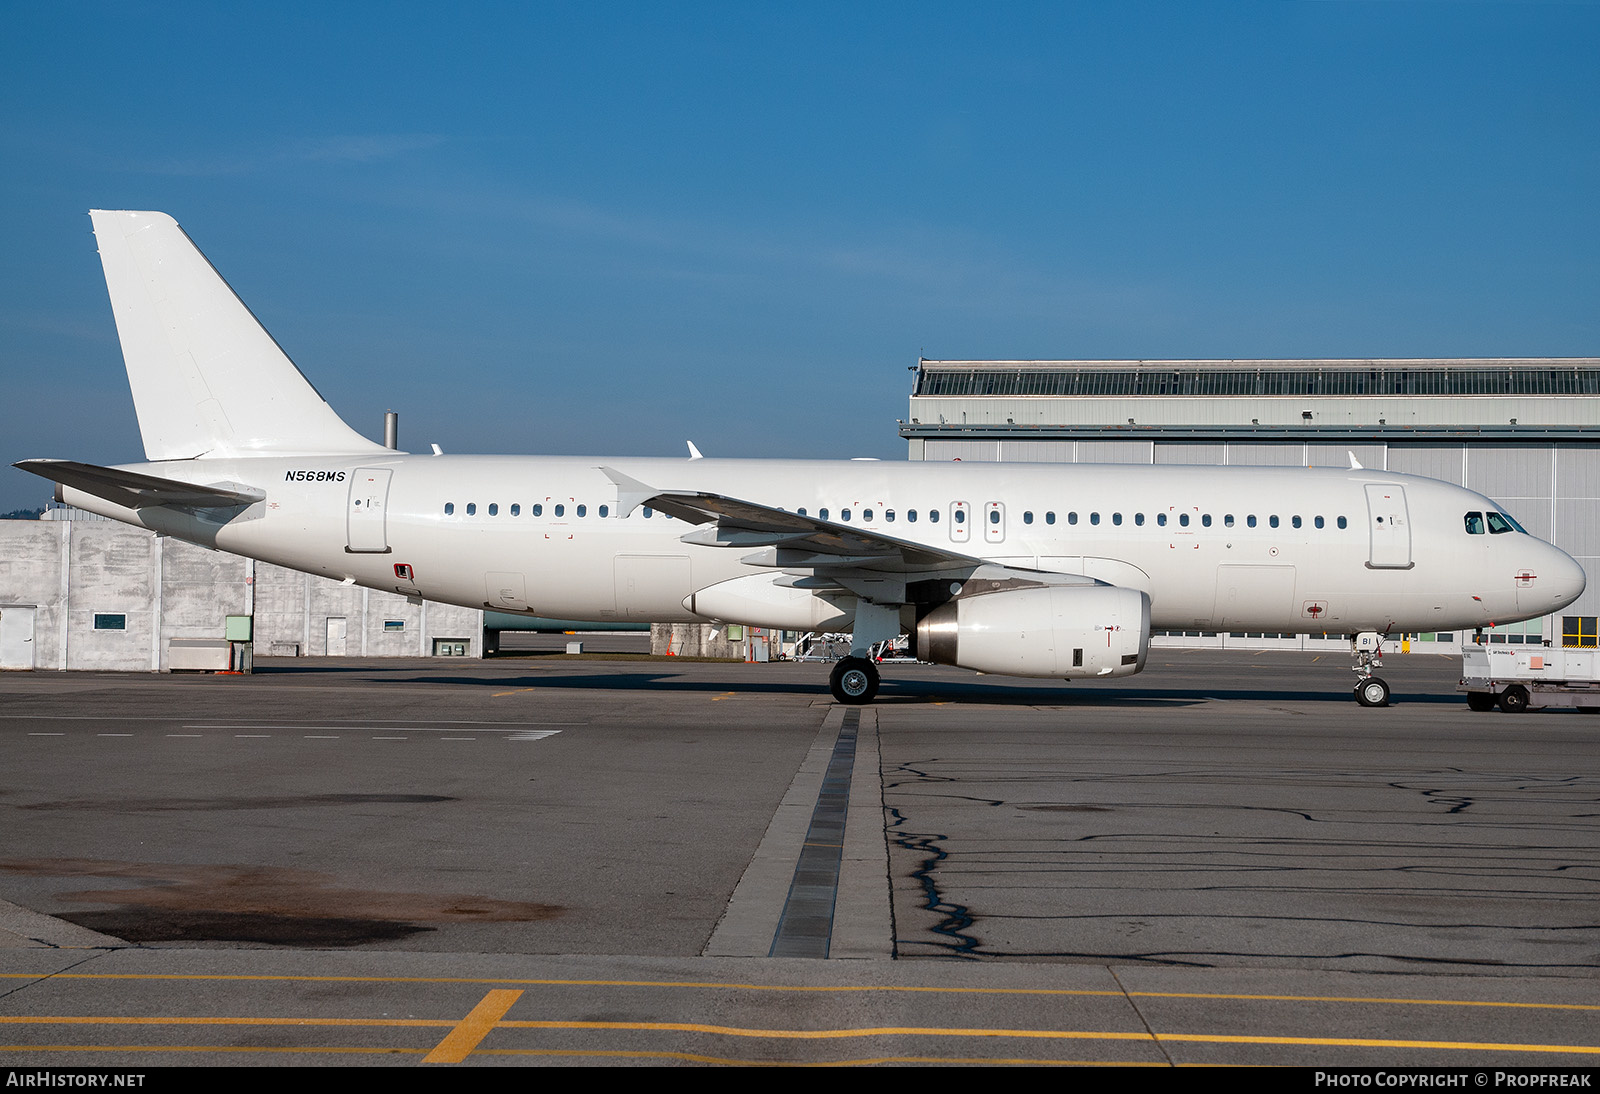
(96, 594)
(1524, 431)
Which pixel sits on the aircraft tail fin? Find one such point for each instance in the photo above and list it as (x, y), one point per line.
(207, 378)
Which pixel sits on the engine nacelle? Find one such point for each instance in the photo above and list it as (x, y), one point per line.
(1056, 630)
(759, 601)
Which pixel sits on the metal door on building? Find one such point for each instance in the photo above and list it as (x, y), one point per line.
(1390, 527)
(337, 629)
(16, 637)
(365, 518)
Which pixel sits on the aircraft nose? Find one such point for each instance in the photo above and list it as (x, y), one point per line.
(1567, 579)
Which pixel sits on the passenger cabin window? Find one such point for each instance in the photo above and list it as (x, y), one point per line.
(1250, 520)
(516, 509)
(649, 512)
(538, 510)
(961, 516)
(1227, 520)
(844, 514)
(1295, 520)
(1183, 519)
(1094, 518)
(1116, 518)
(1072, 518)
(494, 509)
(1343, 523)
(994, 516)
(1273, 520)
(472, 508)
(801, 510)
(449, 508)
(888, 515)
(933, 516)
(822, 514)
(1138, 519)
(561, 510)
(1206, 520)
(583, 510)
(605, 510)
(1027, 516)
(1319, 522)
(1050, 518)
(866, 514)
(1161, 519)
(911, 515)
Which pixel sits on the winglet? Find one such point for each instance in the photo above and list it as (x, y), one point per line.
(694, 453)
(1355, 464)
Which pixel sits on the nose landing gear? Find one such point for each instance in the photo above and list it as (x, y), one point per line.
(1371, 691)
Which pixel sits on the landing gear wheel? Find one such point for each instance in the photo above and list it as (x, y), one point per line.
(854, 680)
(1372, 692)
(1514, 700)
(1480, 701)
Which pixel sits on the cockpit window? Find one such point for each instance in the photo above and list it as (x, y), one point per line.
(1474, 524)
(1500, 523)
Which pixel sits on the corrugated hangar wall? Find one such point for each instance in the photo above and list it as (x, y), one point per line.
(94, 594)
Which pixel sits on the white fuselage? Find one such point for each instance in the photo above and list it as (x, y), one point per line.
(1266, 549)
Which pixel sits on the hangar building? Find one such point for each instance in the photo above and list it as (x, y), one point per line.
(1524, 431)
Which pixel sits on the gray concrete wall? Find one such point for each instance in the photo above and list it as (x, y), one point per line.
(71, 571)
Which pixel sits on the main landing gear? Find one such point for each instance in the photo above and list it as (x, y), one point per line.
(1371, 691)
(854, 680)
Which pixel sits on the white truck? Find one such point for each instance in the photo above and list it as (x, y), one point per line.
(1515, 678)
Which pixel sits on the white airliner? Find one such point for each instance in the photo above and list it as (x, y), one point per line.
(1030, 570)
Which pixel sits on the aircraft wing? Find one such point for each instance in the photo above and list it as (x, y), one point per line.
(136, 491)
(790, 540)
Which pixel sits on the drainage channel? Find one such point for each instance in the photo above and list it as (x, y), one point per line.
(807, 923)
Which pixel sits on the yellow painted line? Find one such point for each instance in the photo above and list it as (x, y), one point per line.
(124, 1020)
(208, 1048)
(513, 691)
(459, 1042)
(819, 988)
(1050, 1034)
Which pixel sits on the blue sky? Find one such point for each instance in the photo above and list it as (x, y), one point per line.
(605, 228)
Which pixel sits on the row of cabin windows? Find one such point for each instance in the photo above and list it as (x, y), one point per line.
(959, 516)
(536, 509)
(1228, 519)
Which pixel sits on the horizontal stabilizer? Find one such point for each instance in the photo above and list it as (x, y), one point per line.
(135, 491)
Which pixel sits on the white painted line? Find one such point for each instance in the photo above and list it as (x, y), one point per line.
(388, 738)
(536, 735)
(47, 734)
(253, 736)
(113, 735)
(321, 737)
(458, 738)
(185, 734)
